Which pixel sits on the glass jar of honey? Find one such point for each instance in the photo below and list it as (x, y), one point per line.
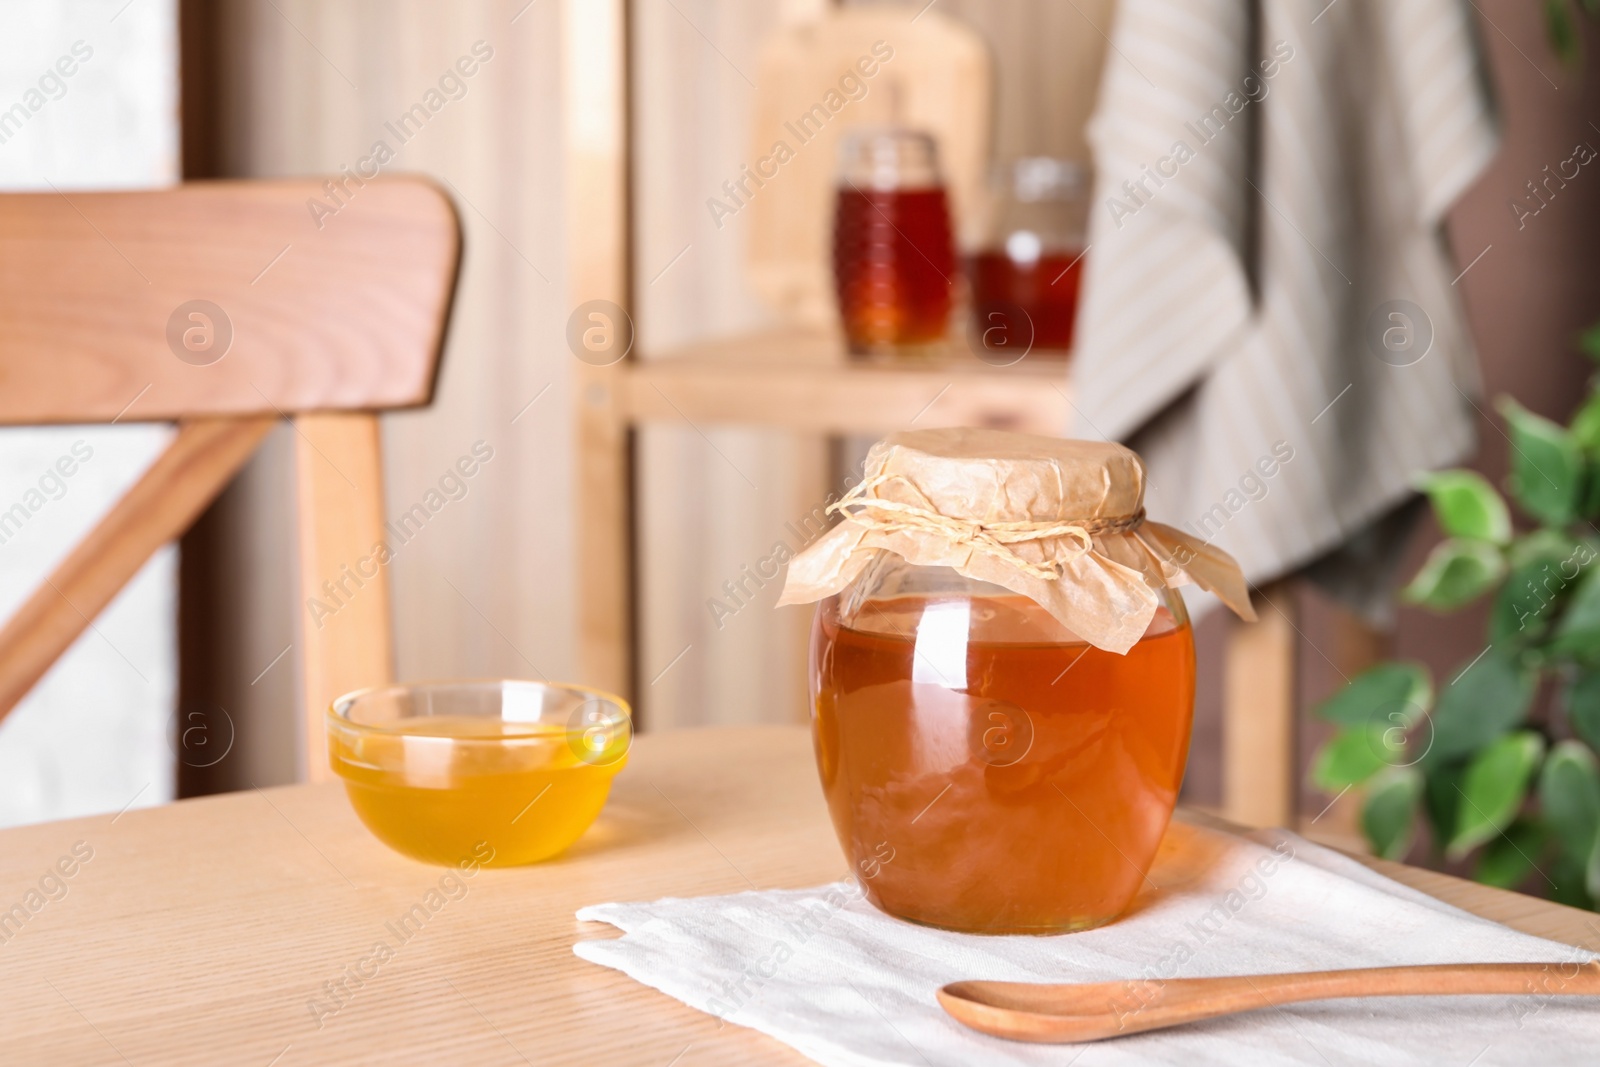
(1002, 678)
(894, 261)
(1025, 280)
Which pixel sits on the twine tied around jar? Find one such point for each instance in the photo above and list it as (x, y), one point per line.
(992, 538)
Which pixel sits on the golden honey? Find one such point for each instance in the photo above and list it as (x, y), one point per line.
(1010, 779)
(437, 787)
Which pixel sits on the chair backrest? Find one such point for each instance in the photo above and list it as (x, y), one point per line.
(225, 307)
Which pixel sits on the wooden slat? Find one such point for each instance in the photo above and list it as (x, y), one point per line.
(813, 481)
(604, 513)
(801, 380)
(303, 893)
(594, 53)
(342, 315)
(344, 629)
(845, 400)
(201, 460)
(1258, 714)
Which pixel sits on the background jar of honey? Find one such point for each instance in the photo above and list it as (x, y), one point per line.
(986, 769)
(1025, 280)
(894, 260)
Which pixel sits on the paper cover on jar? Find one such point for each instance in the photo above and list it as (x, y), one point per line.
(1061, 522)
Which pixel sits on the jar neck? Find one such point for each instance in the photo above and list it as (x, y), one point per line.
(888, 160)
(891, 596)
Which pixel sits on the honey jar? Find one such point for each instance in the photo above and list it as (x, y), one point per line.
(1002, 677)
(894, 261)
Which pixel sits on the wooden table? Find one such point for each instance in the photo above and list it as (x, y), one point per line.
(201, 932)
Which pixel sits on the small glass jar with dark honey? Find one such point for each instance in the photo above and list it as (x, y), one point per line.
(894, 260)
(1002, 678)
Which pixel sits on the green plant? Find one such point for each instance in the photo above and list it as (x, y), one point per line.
(1514, 791)
(1561, 28)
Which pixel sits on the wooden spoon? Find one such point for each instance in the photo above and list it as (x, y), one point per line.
(1094, 1011)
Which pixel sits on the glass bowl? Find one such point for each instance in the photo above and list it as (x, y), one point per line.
(497, 772)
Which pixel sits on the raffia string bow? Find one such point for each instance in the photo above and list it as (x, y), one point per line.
(991, 538)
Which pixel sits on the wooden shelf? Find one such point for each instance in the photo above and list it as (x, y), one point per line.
(804, 381)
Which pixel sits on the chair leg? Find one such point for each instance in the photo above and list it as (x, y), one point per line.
(345, 636)
(1258, 732)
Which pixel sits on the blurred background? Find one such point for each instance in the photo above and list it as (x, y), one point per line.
(520, 573)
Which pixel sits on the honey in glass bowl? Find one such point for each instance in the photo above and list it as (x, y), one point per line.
(448, 771)
(1020, 778)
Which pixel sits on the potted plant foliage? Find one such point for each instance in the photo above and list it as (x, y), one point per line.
(1497, 759)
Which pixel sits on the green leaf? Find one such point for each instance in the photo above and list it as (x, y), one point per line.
(1569, 799)
(1389, 812)
(1578, 632)
(1482, 702)
(1546, 466)
(1591, 876)
(1468, 506)
(1545, 566)
(1585, 425)
(1561, 31)
(1354, 755)
(1509, 859)
(1456, 572)
(1566, 884)
(1493, 790)
(1390, 694)
(1589, 498)
(1589, 342)
(1542, 543)
(1525, 605)
(1585, 431)
(1441, 799)
(1583, 707)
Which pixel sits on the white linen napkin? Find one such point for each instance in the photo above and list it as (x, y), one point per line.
(825, 972)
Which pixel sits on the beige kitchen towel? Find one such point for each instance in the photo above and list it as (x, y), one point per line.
(1269, 313)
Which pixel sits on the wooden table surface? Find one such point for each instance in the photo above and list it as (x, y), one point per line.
(203, 932)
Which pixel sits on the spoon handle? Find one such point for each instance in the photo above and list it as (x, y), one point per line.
(1219, 996)
(1093, 1011)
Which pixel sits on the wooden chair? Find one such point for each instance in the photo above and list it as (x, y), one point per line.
(226, 307)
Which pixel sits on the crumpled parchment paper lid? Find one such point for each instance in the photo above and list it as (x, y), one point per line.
(1059, 521)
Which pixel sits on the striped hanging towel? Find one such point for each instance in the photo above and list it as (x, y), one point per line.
(1269, 313)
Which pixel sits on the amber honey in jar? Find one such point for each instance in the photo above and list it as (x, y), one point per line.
(1025, 279)
(1002, 678)
(894, 262)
